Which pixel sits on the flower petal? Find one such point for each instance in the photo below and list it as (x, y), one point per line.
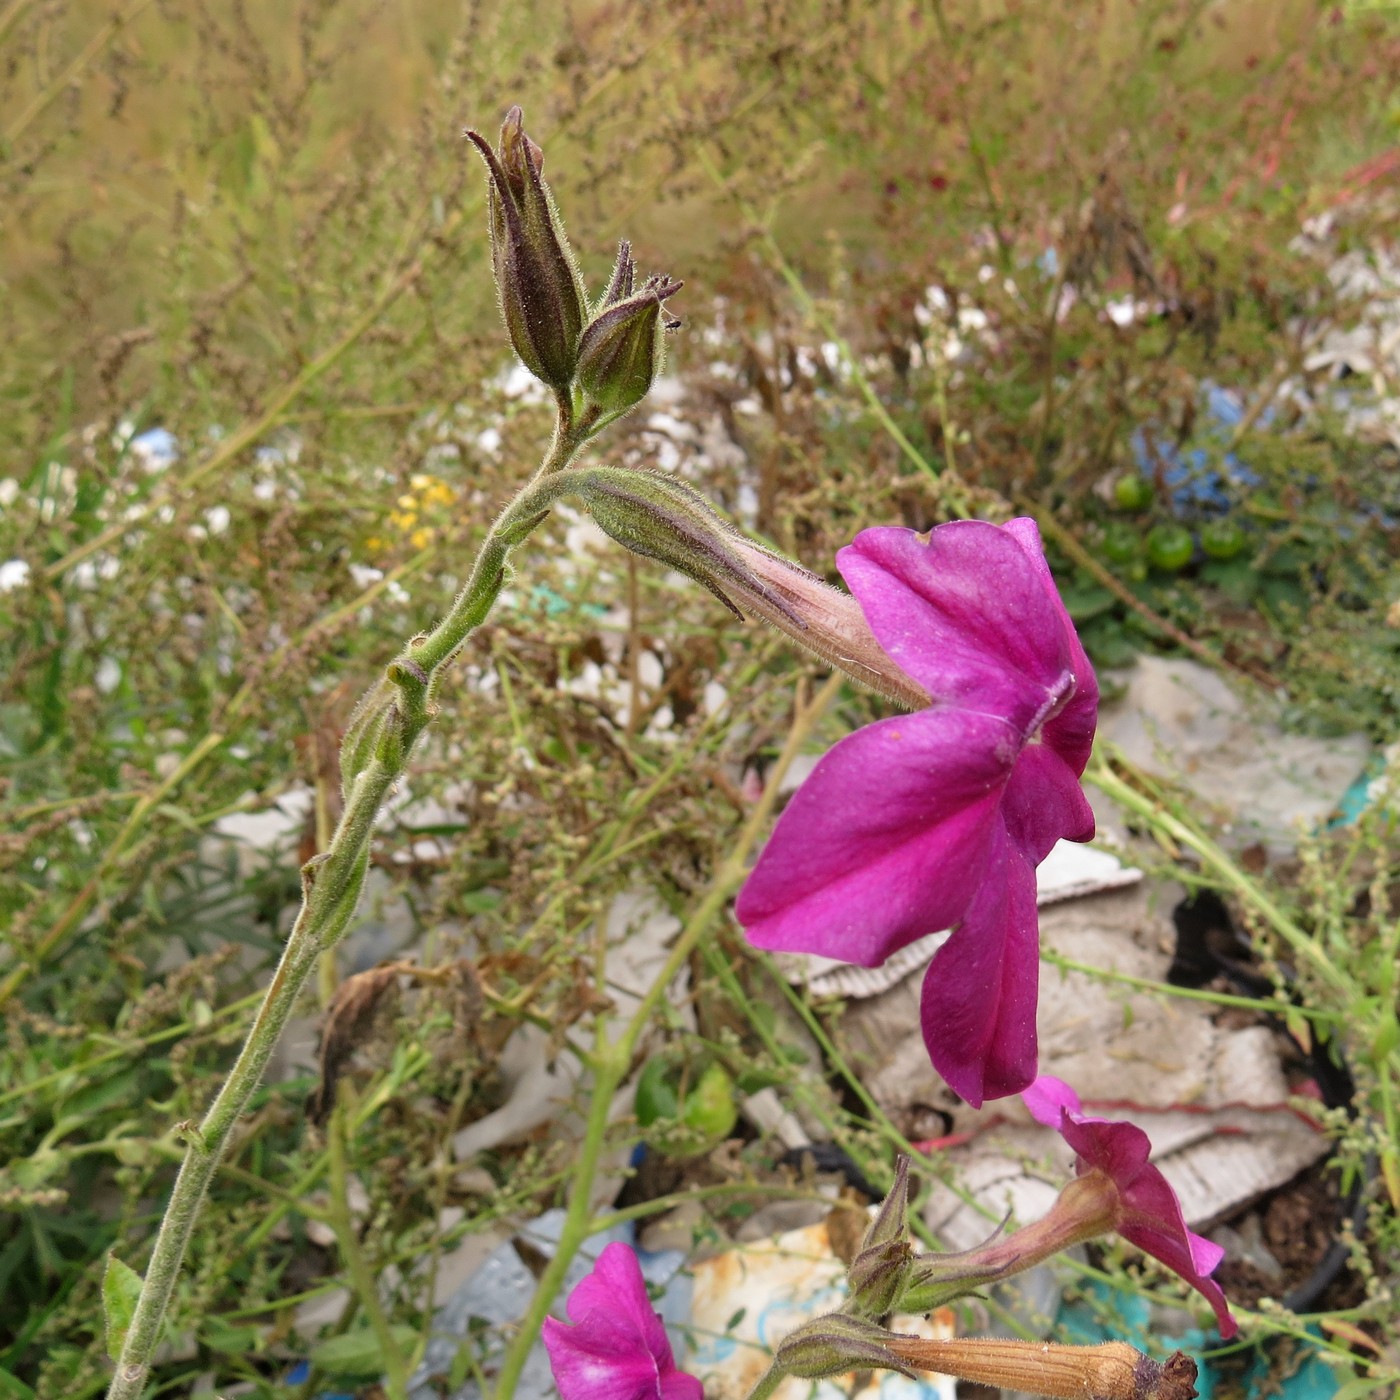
(1044, 802)
(886, 840)
(1071, 732)
(617, 1348)
(1047, 1098)
(1150, 1214)
(979, 994)
(965, 612)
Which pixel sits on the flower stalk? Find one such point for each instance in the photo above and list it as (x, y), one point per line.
(331, 884)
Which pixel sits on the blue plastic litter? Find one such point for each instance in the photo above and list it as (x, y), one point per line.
(1131, 1321)
(1204, 479)
(157, 446)
(298, 1374)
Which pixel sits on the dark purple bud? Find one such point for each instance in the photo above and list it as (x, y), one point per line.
(620, 284)
(892, 1219)
(541, 292)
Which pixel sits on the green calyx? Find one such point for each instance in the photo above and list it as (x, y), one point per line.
(623, 346)
(655, 515)
(833, 1344)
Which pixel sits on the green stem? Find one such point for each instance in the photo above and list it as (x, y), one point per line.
(1167, 989)
(361, 1276)
(331, 886)
(768, 1382)
(1216, 862)
(612, 1061)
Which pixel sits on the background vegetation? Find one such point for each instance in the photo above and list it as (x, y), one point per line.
(255, 227)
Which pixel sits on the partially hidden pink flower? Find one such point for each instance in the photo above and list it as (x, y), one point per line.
(617, 1347)
(938, 818)
(1148, 1213)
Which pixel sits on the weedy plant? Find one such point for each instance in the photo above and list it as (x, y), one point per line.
(938, 817)
(245, 227)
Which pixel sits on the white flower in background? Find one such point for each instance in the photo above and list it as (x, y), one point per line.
(154, 450)
(14, 573)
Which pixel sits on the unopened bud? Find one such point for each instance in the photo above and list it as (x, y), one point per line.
(876, 1280)
(830, 1345)
(622, 347)
(891, 1221)
(541, 292)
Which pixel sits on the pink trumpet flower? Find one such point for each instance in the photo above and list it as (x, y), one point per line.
(938, 819)
(617, 1347)
(1147, 1212)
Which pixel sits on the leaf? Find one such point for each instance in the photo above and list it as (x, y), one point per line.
(1339, 1327)
(349, 1021)
(121, 1287)
(12, 1388)
(358, 1353)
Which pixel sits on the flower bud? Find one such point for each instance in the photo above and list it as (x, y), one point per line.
(541, 292)
(892, 1219)
(655, 515)
(876, 1280)
(830, 1345)
(622, 347)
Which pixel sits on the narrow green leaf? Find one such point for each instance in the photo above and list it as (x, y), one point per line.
(358, 1353)
(121, 1287)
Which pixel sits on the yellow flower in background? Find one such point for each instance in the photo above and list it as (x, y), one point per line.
(427, 495)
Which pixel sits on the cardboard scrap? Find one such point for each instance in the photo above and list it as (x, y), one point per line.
(1182, 721)
(1069, 871)
(746, 1300)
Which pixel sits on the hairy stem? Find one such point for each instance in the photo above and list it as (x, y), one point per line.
(331, 886)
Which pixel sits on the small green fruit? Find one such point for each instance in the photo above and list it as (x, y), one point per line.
(685, 1126)
(656, 1096)
(1120, 543)
(1133, 491)
(709, 1108)
(1222, 539)
(1170, 547)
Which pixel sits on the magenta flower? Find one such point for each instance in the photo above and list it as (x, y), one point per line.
(939, 818)
(1148, 1213)
(617, 1348)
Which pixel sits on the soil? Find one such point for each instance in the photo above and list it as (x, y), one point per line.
(1296, 1224)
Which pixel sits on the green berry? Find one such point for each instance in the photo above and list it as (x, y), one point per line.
(1222, 539)
(1120, 542)
(1170, 547)
(1132, 491)
(685, 1126)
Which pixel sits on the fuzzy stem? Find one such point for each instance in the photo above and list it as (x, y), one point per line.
(330, 890)
(612, 1061)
